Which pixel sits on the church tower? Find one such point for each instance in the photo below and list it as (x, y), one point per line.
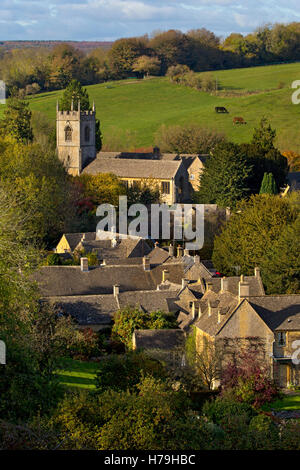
(76, 138)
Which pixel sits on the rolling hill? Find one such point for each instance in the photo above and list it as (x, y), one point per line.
(131, 110)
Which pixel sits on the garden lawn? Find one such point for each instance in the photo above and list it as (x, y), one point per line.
(288, 402)
(78, 374)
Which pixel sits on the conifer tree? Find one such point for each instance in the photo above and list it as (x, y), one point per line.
(17, 120)
(268, 185)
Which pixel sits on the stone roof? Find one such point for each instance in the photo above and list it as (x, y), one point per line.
(199, 271)
(158, 255)
(70, 280)
(148, 301)
(74, 238)
(255, 284)
(125, 248)
(279, 312)
(158, 339)
(87, 309)
(225, 303)
(134, 168)
(99, 309)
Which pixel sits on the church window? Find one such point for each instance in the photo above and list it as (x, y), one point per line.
(68, 134)
(87, 134)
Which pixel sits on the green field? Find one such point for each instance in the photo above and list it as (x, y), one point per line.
(78, 374)
(131, 111)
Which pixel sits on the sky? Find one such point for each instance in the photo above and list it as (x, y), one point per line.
(105, 20)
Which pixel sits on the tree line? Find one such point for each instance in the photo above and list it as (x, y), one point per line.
(33, 70)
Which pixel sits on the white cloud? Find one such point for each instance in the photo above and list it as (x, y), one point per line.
(99, 19)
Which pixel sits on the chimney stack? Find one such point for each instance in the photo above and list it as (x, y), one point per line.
(194, 308)
(224, 284)
(209, 286)
(84, 264)
(197, 259)
(146, 263)
(179, 251)
(116, 290)
(244, 289)
(165, 275)
(171, 250)
(184, 282)
(199, 312)
(219, 316)
(257, 271)
(209, 308)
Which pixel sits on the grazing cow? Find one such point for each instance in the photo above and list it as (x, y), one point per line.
(239, 120)
(221, 109)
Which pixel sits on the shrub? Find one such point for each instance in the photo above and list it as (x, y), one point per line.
(125, 372)
(219, 410)
(247, 380)
(130, 319)
(264, 433)
(53, 260)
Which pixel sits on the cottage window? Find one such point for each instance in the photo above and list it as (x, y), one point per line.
(87, 134)
(68, 134)
(165, 187)
(281, 338)
(192, 177)
(135, 184)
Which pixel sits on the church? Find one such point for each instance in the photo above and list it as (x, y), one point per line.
(175, 175)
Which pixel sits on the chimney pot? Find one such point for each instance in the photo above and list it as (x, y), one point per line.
(116, 290)
(171, 250)
(84, 264)
(165, 275)
(186, 252)
(196, 259)
(219, 316)
(179, 251)
(257, 271)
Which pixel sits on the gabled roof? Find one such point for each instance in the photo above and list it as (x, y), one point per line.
(74, 239)
(158, 255)
(134, 168)
(255, 284)
(225, 303)
(70, 280)
(279, 312)
(159, 339)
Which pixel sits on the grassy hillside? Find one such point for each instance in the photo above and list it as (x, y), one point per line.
(132, 111)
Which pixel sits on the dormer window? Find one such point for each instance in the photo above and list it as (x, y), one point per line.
(87, 134)
(68, 134)
(281, 338)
